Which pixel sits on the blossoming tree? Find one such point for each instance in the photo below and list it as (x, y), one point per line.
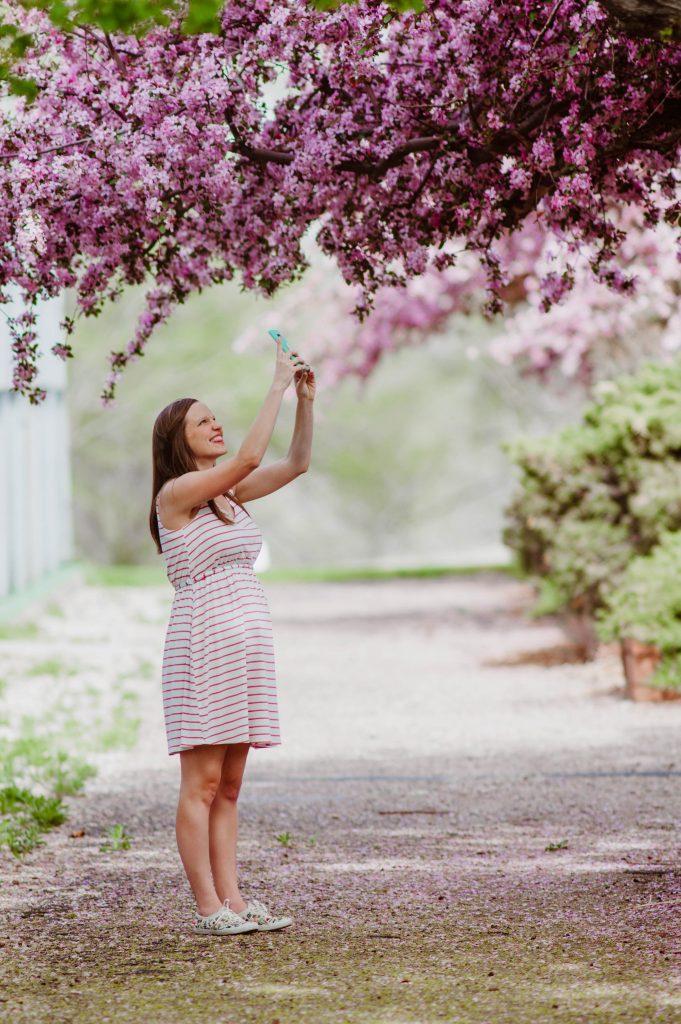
(183, 160)
(593, 331)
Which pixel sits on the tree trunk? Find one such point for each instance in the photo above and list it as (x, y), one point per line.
(647, 18)
(639, 662)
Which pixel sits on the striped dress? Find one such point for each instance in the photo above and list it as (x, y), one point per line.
(218, 676)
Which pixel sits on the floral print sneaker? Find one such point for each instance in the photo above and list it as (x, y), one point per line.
(258, 913)
(223, 922)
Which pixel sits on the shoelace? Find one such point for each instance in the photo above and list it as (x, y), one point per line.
(230, 914)
(259, 909)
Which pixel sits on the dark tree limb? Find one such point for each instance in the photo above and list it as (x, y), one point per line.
(648, 18)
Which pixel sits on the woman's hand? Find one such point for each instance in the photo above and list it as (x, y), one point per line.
(288, 363)
(305, 384)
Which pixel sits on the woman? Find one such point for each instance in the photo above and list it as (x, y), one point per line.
(219, 688)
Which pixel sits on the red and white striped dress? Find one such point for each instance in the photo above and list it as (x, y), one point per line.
(218, 677)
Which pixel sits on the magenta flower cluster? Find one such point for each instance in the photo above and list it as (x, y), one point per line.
(589, 330)
(181, 161)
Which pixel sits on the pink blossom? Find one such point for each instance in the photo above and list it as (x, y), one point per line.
(398, 138)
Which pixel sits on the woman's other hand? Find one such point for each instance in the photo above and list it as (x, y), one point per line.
(306, 385)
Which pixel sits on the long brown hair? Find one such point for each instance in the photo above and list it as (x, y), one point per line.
(171, 457)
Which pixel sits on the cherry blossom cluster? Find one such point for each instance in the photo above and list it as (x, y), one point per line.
(181, 161)
(593, 329)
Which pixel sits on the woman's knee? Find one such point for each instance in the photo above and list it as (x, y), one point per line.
(229, 789)
(201, 772)
(203, 789)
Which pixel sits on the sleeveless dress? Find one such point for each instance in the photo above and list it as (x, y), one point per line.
(218, 675)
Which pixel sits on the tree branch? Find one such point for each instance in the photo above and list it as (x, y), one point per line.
(647, 18)
(274, 156)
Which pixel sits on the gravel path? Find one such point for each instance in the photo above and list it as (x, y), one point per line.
(436, 742)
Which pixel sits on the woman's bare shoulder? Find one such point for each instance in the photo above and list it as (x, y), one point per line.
(174, 517)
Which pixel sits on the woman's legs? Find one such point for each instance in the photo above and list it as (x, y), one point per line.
(201, 772)
(224, 823)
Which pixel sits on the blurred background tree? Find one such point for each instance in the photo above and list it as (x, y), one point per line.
(407, 467)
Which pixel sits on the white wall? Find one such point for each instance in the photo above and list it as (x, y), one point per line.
(36, 530)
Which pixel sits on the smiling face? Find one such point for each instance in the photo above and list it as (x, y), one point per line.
(203, 434)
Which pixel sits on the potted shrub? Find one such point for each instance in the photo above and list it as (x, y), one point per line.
(592, 496)
(644, 613)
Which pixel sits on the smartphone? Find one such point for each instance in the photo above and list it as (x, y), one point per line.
(276, 334)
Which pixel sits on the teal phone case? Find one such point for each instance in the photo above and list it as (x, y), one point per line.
(275, 334)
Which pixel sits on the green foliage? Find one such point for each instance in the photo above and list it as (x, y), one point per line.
(116, 839)
(284, 838)
(36, 771)
(34, 777)
(122, 729)
(586, 555)
(135, 17)
(46, 810)
(50, 667)
(552, 847)
(646, 606)
(18, 630)
(595, 495)
(34, 761)
(55, 609)
(125, 575)
(20, 834)
(24, 815)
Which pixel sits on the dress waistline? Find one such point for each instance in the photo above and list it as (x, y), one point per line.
(222, 567)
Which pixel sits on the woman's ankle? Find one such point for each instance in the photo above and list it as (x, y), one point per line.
(208, 908)
(236, 903)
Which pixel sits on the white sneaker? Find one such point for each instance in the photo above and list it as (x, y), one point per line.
(223, 922)
(258, 913)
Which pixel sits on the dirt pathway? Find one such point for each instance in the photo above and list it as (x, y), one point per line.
(430, 757)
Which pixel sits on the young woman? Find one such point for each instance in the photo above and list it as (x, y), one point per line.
(218, 680)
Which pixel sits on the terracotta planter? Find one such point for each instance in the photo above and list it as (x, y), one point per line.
(639, 661)
(580, 628)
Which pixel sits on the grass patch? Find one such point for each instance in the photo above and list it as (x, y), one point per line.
(34, 779)
(50, 667)
(123, 729)
(18, 630)
(34, 762)
(24, 816)
(35, 770)
(125, 575)
(144, 669)
(338, 575)
(116, 838)
(149, 575)
(55, 610)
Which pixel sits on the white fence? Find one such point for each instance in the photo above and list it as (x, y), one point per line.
(36, 530)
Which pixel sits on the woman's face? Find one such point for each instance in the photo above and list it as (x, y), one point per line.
(203, 433)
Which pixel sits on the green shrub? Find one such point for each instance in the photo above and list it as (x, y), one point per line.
(116, 838)
(646, 606)
(24, 815)
(33, 760)
(595, 495)
(27, 762)
(20, 834)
